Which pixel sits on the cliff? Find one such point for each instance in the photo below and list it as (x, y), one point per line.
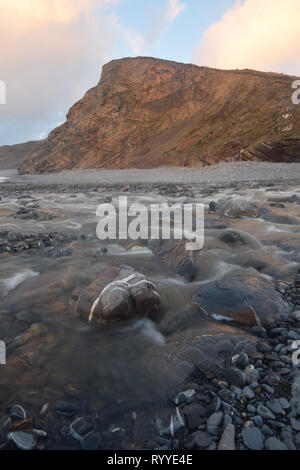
(147, 112)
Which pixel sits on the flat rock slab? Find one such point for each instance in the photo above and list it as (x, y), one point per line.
(251, 301)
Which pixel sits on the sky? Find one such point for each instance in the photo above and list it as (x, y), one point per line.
(52, 51)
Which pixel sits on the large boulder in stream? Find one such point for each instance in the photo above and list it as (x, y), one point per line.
(250, 301)
(118, 294)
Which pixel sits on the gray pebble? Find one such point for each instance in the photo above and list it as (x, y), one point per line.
(253, 438)
(214, 422)
(265, 412)
(274, 444)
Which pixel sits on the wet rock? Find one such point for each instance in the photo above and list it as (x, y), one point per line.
(264, 412)
(295, 423)
(188, 269)
(198, 440)
(214, 406)
(221, 384)
(184, 397)
(275, 444)
(293, 335)
(235, 377)
(237, 392)
(14, 236)
(252, 376)
(194, 414)
(18, 412)
(227, 408)
(91, 442)
(284, 403)
(237, 208)
(247, 300)
(211, 354)
(118, 294)
(272, 378)
(248, 393)
(212, 206)
(214, 422)
(23, 440)
(174, 255)
(227, 441)
(275, 406)
(81, 427)
(232, 237)
(289, 444)
(227, 396)
(257, 420)
(259, 331)
(253, 438)
(242, 361)
(267, 431)
(66, 408)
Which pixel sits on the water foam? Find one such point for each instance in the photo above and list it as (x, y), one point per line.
(18, 278)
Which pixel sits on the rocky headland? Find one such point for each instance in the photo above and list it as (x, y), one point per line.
(147, 113)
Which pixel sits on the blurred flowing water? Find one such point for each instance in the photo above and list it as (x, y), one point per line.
(122, 368)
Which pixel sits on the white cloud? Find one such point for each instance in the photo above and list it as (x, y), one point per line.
(257, 34)
(51, 52)
(174, 8)
(140, 43)
(135, 40)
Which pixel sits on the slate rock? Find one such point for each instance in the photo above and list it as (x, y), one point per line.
(275, 444)
(214, 422)
(253, 438)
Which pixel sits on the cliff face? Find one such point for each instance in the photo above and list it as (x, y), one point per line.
(12, 156)
(148, 112)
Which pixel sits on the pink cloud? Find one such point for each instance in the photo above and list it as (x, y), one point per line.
(256, 34)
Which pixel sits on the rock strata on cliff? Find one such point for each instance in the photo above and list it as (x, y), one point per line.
(147, 112)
